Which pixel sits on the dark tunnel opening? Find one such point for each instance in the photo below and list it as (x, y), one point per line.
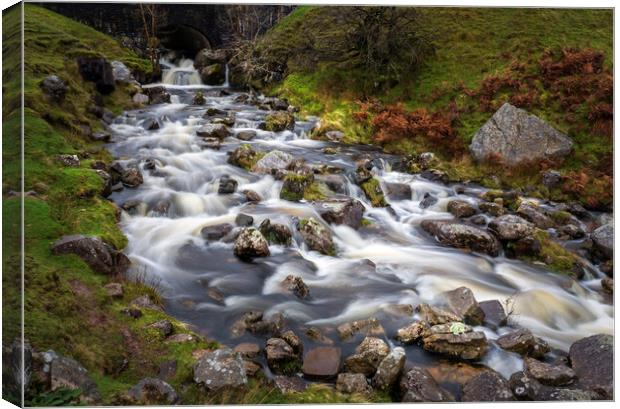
(183, 39)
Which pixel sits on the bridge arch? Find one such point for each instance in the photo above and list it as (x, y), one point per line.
(184, 38)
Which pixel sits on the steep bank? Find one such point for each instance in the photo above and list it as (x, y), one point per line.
(482, 58)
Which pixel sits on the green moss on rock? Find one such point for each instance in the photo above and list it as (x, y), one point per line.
(374, 193)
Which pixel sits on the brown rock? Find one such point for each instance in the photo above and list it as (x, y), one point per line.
(322, 363)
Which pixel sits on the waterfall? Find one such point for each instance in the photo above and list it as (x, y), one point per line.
(182, 73)
(226, 83)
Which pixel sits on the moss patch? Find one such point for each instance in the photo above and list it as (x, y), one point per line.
(374, 193)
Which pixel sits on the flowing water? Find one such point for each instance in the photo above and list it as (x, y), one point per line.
(391, 261)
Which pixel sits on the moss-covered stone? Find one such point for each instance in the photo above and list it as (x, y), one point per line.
(279, 121)
(374, 193)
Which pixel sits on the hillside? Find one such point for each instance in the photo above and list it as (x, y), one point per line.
(482, 58)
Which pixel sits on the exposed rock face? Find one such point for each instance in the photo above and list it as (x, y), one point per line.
(69, 374)
(322, 363)
(368, 355)
(101, 257)
(469, 345)
(220, 369)
(69, 160)
(54, 86)
(295, 285)
(348, 212)
(592, 360)
(417, 385)
(276, 233)
(603, 239)
(251, 243)
(515, 137)
(390, 369)
(219, 131)
(523, 342)
(462, 236)
(548, 374)
(463, 303)
(272, 162)
(153, 391)
(461, 208)
(281, 357)
(488, 386)
(352, 383)
(99, 71)
(121, 73)
(494, 314)
(511, 227)
(316, 236)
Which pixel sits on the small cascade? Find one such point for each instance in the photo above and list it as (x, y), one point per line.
(226, 73)
(182, 73)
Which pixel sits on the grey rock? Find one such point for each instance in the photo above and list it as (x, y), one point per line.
(227, 185)
(244, 220)
(369, 326)
(412, 332)
(69, 160)
(132, 177)
(524, 387)
(548, 374)
(219, 131)
(216, 232)
(603, 239)
(114, 290)
(273, 161)
(252, 196)
(248, 350)
(246, 135)
(334, 136)
(398, 191)
(101, 257)
(281, 357)
(462, 236)
(523, 342)
(494, 209)
(436, 315)
(488, 386)
(551, 179)
(417, 385)
(468, 345)
(153, 391)
(494, 314)
(250, 243)
(348, 212)
(163, 326)
(352, 383)
(390, 369)
(140, 98)
(533, 214)
(592, 360)
(220, 369)
(276, 233)
(295, 285)
(121, 73)
(368, 355)
(54, 86)
(463, 303)
(316, 236)
(157, 95)
(511, 227)
(515, 137)
(289, 384)
(322, 363)
(67, 373)
(101, 136)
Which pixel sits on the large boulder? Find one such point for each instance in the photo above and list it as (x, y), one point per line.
(603, 239)
(390, 369)
(272, 162)
(67, 373)
(153, 391)
(348, 212)
(100, 256)
(322, 363)
(436, 315)
(548, 374)
(462, 236)
(592, 360)
(514, 137)
(511, 227)
(220, 369)
(250, 243)
(368, 355)
(316, 236)
(456, 340)
(463, 303)
(494, 314)
(99, 71)
(417, 385)
(214, 74)
(488, 386)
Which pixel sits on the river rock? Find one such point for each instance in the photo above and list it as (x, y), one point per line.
(468, 344)
(140, 99)
(514, 137)
(412, 332)
(352, 383)
(369, 326)
(428, 200)
(494, 314)
(67, 373)
(532, 213)
(607, 283)
(99, 71)
(398, 191)
(244, 220)
(246, 135)
(462, 236)
(603, 239)
(132, 177)
(276, 233)
(272, 162)
(227, 185)
(150, 124)
(417, 385)
(220, 369)
(219, 131)
(348, 212)
(295, 184)
(279, 121)
(281, 357)
(251, 243)
(248, 350)
(436, 315)
(524, 387)
(463, 303)
(523, 342)
(216, 232)
(322, 363)
(548, 374)
(511, 227)
(157, 95)
(295, 285)
(461, 208)
(101, 257)
(54, 86)
(252, 196)
(208, 56)
(493, 209)
(213, 74)
(153, 391)
(592, 360)
(316, 236)
(488, 386)
(368, 355)
(390, 369)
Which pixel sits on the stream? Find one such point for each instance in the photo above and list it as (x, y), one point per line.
(386, 262)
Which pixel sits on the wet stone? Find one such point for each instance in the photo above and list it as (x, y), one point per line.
(436, 315)
(457, 342)
(548, 374)
(463, 303)
(488, 386)
(352, 383)
(322, 363)
(296, 286)
(417, 385)
(216, 232)
(281, 357)
(592, 360)
(427, 201)
(227, 185)
(244, 220)
(390, 369)
(250, 243)
(413, 332)
(248, 350)
(369, 326)
(494, 314)
(368, 355)
(523, 342)
(461, 209)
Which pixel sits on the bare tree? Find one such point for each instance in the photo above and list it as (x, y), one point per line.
(152, 16)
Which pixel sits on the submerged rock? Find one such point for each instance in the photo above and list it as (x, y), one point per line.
(216, 232)
(514, 137)
(462, 236)
(295, 285)
(250, 243)
(220, 369)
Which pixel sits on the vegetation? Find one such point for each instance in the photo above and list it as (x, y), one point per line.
(555, 63)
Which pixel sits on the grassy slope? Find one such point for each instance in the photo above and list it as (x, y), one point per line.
(67, 309)
(471, 43)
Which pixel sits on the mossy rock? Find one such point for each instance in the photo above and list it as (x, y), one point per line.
(374, 193)
(279, 121)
